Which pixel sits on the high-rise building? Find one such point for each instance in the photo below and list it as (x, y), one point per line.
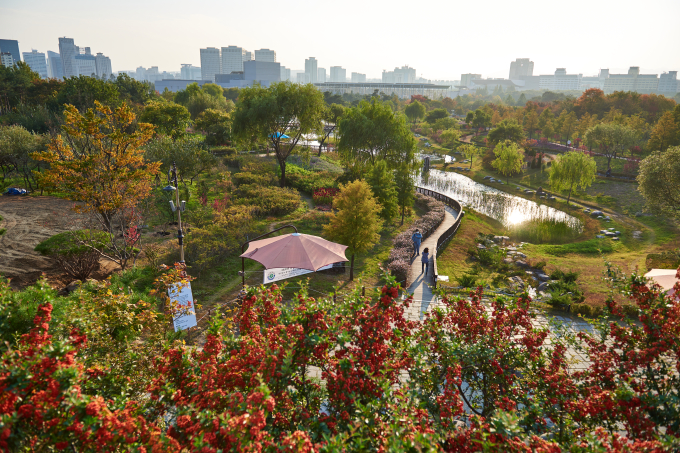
(211, 63)
(321, 75)
(232, 59)
(521, 67)
(86, 65)
(302, 78)
(55, 68)
(338, 74)
(633, 81)
(67, 50)
(560, 81)
(103, 66)
(264, 72)
(358, 78)
(668, 83)
(405, 74)
(311, 69)
(140, 74)
(466, 79)
(36, 61)
(285, 73)
(190, 72)
(6, 59)
(10, 46)
(265, 55)
(247, 55)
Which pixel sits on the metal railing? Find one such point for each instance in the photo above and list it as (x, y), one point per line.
(447, 235)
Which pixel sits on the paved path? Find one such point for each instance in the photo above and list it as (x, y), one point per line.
(421, 284)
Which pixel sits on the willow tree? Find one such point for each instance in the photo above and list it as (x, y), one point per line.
(659, 182)
(280, 114)
(572, 169)
(509, 158)
(371, 132)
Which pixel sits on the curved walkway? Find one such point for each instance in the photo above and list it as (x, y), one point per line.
(421, 284)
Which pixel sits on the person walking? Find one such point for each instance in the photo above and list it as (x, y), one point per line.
(417, 239)
(425, 260)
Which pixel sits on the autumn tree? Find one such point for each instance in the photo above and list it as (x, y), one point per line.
(509, 158)
(98, 163)
(664, 134)
(659, 182)
(470, 151)
(481, 119)
(545, 116)
(280, 114)
(572, 169)
(169, 118)
(356, 223)
(568, 126)
(450, 137)
(611, 139)
(414, 111)
(548, 129)
(531, 122)
(591, 102)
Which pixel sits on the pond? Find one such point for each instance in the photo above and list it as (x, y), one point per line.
(508, 209)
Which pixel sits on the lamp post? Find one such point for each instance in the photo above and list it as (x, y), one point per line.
(179, 208)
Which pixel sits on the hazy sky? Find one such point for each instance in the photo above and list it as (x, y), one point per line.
(440, 38)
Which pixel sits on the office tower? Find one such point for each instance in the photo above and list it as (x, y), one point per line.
(262, 71)
(265, 55)
(140, 74)
(338, 74)
(55, 69)
(36, 61)
(321, 75)
(521, 67)
(668, 83)
(10, 46)
(405, 74)
(85, 65)
(466, 79)
(211, 63)
(232, 59)
(190, 72)
(67, 50)
(103, 66)
(247, 55)
(358, 78)
(6, 59)
(285, 73)
(311, 69)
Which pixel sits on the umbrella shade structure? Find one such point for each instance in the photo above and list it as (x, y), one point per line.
(279, 135)
(301, 251)
(665, 278)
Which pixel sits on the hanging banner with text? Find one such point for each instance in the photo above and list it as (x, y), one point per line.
(281, 273)
(182, 298)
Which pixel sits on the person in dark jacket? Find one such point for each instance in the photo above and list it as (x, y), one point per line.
(425, 260)
(417, 239)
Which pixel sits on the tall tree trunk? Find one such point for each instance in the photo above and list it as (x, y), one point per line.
(282, 165)
(569, 196)
(403, 208)
(351, 269)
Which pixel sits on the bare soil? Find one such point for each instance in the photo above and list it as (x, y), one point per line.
(29, 221)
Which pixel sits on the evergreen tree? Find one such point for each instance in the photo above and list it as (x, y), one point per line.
(384, 189)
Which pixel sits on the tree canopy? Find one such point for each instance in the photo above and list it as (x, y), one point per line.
(506, 130)
(659, 182)
(572, 169)
(509, 158)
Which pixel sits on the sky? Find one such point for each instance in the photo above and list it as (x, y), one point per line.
(441, 39)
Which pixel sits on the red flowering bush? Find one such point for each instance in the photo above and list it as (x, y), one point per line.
(324, 195)
(360, 375)
(631, 166)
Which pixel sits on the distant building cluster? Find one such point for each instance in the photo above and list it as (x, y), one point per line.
(236, 67)
(521, 78)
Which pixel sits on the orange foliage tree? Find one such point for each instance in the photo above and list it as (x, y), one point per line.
(99, 161)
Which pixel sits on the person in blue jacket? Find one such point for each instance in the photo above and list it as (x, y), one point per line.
(416, 238)
(425, 260)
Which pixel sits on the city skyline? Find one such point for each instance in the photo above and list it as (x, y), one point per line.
(146, 40)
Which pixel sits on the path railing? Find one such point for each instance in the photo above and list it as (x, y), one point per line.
(447, 235)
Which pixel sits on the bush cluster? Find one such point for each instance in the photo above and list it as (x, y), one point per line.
(268, 200)
(398, 263)
(258, 179)
(308, 181)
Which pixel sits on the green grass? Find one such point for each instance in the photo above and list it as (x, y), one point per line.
(589, 247)
(543, 231)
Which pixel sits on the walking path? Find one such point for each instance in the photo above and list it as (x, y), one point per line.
(421, 284)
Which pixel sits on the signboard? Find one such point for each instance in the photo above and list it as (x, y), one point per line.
(281, 273)
(181, 295)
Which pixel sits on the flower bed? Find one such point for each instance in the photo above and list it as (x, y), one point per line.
(324, 195)
(398, 263)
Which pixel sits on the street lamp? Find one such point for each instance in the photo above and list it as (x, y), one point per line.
(179, 208)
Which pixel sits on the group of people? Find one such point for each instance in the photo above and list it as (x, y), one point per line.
(417, 238)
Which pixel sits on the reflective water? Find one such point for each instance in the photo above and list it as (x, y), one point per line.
(508, 209)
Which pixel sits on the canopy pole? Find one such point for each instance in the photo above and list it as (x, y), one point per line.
(243, 246)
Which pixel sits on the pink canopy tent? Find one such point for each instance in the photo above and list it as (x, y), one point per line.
(665, 278)
(301, 251)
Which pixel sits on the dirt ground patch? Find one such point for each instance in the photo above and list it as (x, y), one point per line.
(29, 221)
